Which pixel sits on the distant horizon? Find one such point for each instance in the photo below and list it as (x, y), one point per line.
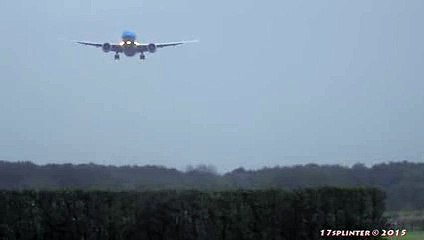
(211, 165)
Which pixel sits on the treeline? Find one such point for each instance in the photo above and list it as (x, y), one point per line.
(402, 181)
(189, 215)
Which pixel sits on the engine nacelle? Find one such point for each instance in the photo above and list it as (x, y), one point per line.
(106, 47)
(152, 47)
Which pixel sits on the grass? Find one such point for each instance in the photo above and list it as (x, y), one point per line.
(408, 219)
(411, 236)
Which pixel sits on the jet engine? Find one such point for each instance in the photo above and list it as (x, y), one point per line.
(106, 47)
(151, 47)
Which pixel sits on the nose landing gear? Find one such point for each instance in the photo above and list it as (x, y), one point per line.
(142, 57)
(116, 56)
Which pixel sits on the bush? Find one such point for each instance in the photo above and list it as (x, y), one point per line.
(187, 215)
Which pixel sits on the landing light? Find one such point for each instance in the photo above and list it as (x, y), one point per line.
(128, 42)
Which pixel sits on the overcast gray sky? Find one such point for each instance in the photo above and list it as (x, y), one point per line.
(270, 83)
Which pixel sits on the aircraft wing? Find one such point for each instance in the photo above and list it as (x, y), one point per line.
(91, 44)
(113, 47)
(171, 44)
(145, 47)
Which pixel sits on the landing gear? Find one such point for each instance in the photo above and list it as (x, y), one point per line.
(116, 56)
(142, 57)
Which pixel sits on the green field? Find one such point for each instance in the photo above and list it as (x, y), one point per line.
(411, 236)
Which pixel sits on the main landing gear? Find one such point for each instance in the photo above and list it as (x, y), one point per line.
(142, 56)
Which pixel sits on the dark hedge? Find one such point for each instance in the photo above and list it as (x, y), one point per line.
(187, 215)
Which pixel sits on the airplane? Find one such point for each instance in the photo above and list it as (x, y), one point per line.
(130, 47)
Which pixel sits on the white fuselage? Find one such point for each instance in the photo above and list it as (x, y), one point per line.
(129, 47)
